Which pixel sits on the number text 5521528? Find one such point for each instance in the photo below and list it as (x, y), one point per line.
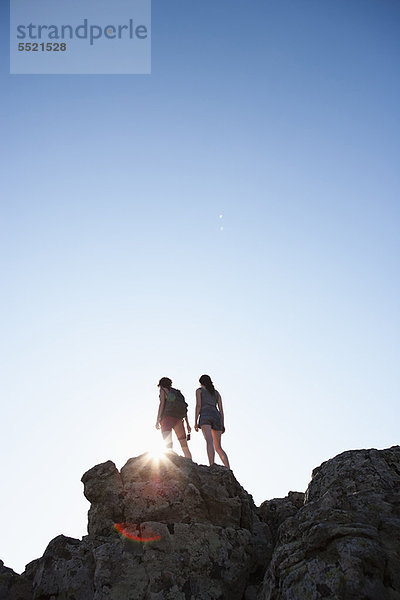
(43, 47)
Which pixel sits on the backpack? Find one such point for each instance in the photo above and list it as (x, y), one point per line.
(175, 404)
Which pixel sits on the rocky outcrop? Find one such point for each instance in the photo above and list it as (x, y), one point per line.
(14, 586)
(168, 529)
(344, 543)
(190, 531)
(174, 530)
(173, 490)
(275, 512)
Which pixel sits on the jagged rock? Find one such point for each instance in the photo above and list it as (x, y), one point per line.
(175, 530)
(13, 586)
(188, 561)
(275, 512)
(65, 572)
(170, 491)
(104, 490)
(168, 530)
(344, 544)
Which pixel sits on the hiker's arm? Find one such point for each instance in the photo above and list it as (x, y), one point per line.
(221, 410)
(189, 429)
(198, 407)
(160, 408)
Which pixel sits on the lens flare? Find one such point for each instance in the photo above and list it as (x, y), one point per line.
(158, 454)
(134, 533)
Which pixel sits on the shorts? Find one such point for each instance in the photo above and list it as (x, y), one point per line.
(168, 423)
(214, 420)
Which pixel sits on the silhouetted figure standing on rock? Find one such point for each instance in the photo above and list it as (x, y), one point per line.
(210, 418)
(171, 412)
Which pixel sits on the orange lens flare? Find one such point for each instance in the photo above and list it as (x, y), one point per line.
(133, 532)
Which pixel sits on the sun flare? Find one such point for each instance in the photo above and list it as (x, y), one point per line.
(157, 454)
(157, 450)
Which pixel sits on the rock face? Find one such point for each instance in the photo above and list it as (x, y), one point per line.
(275, 512)
(13, 586)
(188, 531)
(168, 530)
(173, 490)
(174, 530)
(345, 541)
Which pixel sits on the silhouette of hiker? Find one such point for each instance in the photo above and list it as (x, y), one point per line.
(171, 413)
(210, 418)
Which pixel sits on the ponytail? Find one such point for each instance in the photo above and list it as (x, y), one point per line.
(208, 384)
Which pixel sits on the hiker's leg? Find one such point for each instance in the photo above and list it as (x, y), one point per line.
(179, 429)
(206, 430)
(217, 443)
(167, 436)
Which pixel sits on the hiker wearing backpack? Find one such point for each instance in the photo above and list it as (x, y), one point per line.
(209, 418)
(171, 413)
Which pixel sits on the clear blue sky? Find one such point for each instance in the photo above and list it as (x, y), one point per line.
(280, 115)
